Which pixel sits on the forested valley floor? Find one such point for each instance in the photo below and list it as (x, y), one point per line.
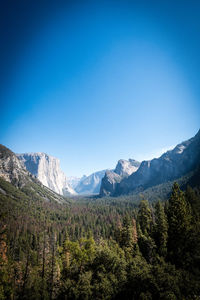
(99, 248)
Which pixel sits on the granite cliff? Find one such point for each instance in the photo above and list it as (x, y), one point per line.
(47, 169)
(173, 164)
(123, 169)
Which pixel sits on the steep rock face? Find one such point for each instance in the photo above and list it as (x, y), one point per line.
(14, 172)
(126, 167)
(89, 185)
(47, 169)
(171, 165)
(109, 182)
(123, 169)
(11, 169)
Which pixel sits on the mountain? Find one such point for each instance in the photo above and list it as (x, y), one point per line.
(123, 169)
(173, 164)
(74, 181)
(11, 169)
(126, 167)
(89, 185)
(17, 182)
(47, 169)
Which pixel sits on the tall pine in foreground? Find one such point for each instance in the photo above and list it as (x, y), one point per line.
(179, 220)
(161, 229)
(145, 224)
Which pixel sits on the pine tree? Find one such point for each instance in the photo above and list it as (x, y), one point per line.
(144, 217)
(146, 243)
(161, 229)
(193, 199)
(179, 220)
(126, 235)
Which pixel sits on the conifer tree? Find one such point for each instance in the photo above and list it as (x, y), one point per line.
(146, 243)
(144, 217)
(179, 220)
(193, 199)
(161, 229)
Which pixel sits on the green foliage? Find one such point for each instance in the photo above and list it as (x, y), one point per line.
(192, 197)
(161, 229)
(98, 248)
(80, 252)
(180, 225)
(144, 217)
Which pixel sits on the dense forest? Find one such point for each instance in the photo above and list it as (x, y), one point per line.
(99, 248)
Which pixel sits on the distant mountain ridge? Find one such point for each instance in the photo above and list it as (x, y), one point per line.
(74, 181)
(129, 176)
(89, 185)
(123, 169)
(47, 169)
(173, 164)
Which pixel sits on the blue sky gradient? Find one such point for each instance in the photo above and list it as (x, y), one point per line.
(92, 82)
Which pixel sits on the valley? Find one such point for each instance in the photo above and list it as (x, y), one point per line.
(56, 244)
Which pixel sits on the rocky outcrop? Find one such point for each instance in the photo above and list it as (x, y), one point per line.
(173, 164)
(11, 169)
(47, 169)
(109, 182)
(14, 172)
(92, 184)
(126, 167)
(89, 185)
(123, 169)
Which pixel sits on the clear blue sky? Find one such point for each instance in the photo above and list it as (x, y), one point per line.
(91, 82)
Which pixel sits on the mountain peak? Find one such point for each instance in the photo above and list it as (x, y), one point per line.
(89, 185)
(173, 164)
(124, 168)
(47, 169)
